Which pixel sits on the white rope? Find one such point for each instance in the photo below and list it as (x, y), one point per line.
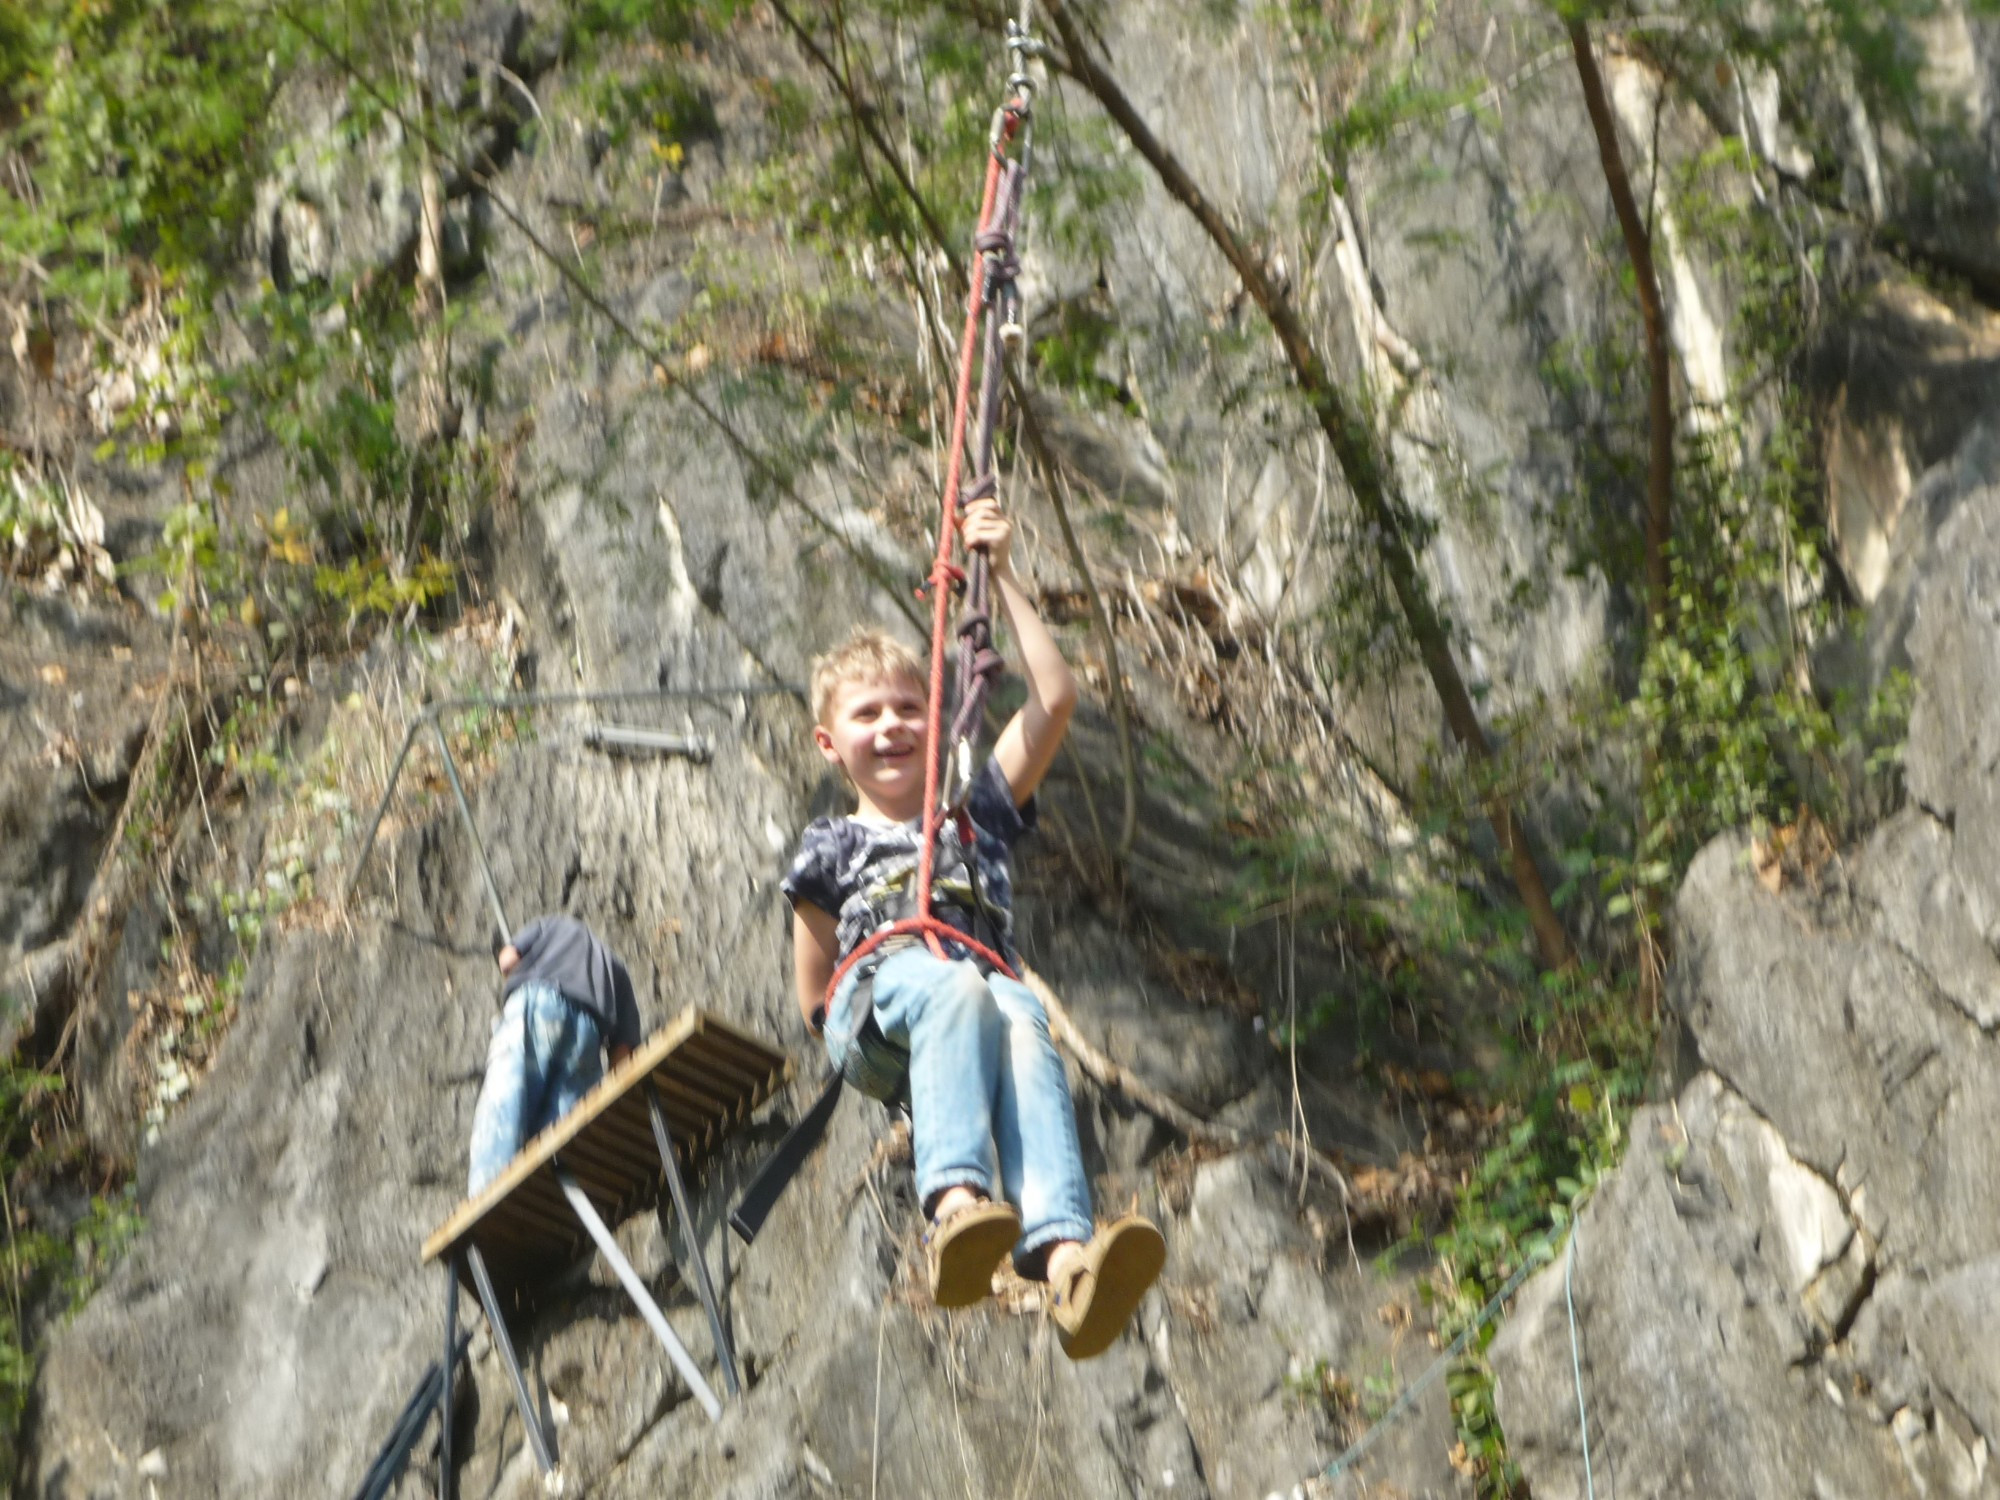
(1437, 1367)
(1575, 1363)
(1407, 1397)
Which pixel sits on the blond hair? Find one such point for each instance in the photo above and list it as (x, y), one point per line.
(868, 655)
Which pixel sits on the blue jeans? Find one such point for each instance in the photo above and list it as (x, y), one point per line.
(981, 1073)
(543, 1058)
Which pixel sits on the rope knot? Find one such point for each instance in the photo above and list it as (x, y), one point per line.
(1003, 265)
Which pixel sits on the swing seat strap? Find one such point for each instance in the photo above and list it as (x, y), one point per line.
(783, 1164)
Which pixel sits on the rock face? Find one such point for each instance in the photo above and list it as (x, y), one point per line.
(74, 671)
(264, 1332)
(261, 1337)
(1790, 1285)
(1793, 1286)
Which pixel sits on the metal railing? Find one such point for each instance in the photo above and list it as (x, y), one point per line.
(432, 714)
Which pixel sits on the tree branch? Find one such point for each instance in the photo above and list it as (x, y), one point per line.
(1359, 453)
(1105, 1073)
(1659, 372)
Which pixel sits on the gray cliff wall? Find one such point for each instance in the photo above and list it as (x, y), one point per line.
(1790, 1287)
(1792, 1284)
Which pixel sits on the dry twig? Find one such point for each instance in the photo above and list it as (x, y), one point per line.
(1106, 1073)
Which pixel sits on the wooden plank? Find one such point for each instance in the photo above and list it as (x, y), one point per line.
(692, 1138)
(598, 1152)
(609, 1137)
(689, 1110)
(609, 1185)
(694, 1089)
(675, 1095)
(689, 1118)
(636, 1131)
(753, 1060)
(687, 1086)
(711, 1076)
(700, 1088)
(602, 1152)
(540, 1240)
(684, 1112)
(764, 1063)
(537, 1153)
(533, 1217)
(709, 1024)
(603, 1179)
(713, 1071)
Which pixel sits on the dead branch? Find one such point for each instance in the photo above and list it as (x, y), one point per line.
(57, 974)
(1105, 1073)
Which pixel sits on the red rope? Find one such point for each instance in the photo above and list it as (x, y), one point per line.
(931, 929)
(934, 930)
(941, 568)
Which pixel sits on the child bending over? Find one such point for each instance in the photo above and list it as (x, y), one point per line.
(992, 1125)
(567, 995)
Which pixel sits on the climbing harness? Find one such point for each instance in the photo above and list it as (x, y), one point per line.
(992, 329)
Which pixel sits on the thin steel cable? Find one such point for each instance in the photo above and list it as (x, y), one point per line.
(483, 174)
(472, 829)
(1408, 1396)
(432, 712)
(1576, 1363)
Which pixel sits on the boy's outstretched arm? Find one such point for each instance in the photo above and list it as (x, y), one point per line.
(1028, 745)
(815, 948)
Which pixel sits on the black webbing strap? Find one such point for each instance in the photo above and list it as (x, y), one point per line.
(388, 1465)
(783, 1164)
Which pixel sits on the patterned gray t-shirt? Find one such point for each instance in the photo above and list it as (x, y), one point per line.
(862, 870)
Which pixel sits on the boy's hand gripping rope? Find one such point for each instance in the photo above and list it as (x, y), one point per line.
(993, 301)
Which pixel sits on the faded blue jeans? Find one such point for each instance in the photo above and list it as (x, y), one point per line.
(982, 1074)
(542, 1059)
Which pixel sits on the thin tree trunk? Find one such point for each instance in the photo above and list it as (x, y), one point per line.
(1359, 454)
(1659, 388)
(436, 423)
(1659, 453)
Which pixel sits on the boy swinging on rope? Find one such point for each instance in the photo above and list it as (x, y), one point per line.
(992, 1126)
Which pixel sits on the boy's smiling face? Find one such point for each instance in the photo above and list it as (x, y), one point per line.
(875, 731)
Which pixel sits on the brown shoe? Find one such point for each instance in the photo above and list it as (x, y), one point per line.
(1120, 1263)
(965, 1247)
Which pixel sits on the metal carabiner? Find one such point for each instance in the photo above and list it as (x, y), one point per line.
(958, 776)
(1023, 47)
